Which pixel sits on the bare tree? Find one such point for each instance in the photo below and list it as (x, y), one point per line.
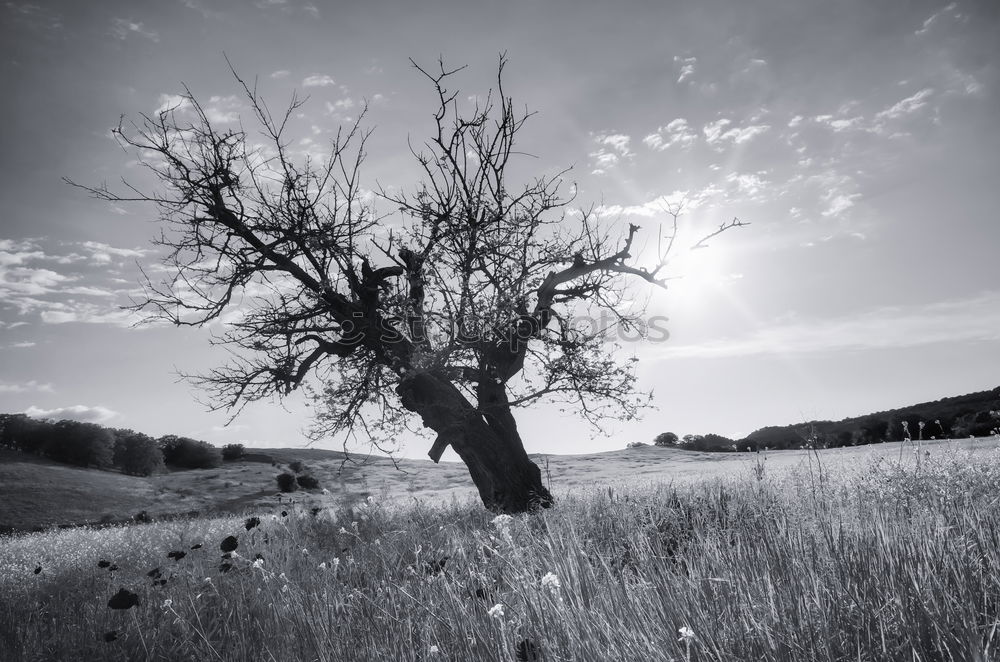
(461, 312)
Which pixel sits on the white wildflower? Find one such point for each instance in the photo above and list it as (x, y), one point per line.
(167, 603)
(305, 552)
(496, 611)
(258, 564)
(433, 650)
(500, 521)
(343, 531)
(550, 581)
(322, 566)
(687, 634)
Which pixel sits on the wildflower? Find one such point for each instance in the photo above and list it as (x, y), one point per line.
(251, 522)
(433, 650)
(500, 521)
(305, 552)
(343, 531)
(259, 563)
(687, 634)
(496, 611)
(322, 566)
(326, 492)
(282, 577)
(550, 581)
(167, 604)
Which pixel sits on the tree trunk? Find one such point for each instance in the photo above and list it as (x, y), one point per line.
(507, 480)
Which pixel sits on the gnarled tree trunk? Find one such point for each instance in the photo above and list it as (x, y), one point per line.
(487, 441)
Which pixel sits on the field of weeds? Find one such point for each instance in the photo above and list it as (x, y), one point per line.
(891, 559)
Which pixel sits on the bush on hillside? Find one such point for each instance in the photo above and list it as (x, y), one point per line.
(286, 482)
(185, 453)
(297, 466)
(233, 452)
(666, 439)
(307, 482)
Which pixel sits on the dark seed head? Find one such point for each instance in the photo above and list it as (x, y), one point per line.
(103, 564)
(176, 555)
(110, 636)
(198, 546)
(251, 522)
(38, 570)
(123, 599)
(155, 572)
(225, 567)
(284, 513)
(229, 544)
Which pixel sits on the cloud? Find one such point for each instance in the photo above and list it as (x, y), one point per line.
(685, 67)
(280, 73)
(318, 80)
(612, 148)
(676, 132)
(718, 132)
(223, 110)
(172, 102)
(124, 28)
(27, 387)
(935, 17)
(838, 203)
(103, 253)
(74, 413)
(907, 106)
(975, 319)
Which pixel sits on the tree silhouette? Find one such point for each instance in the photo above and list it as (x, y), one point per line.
(459, 312)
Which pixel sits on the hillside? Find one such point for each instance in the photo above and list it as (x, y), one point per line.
(36, 493)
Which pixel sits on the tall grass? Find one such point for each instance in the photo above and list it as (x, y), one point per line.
(898, 560)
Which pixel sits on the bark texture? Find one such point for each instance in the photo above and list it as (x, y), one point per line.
(507, 480)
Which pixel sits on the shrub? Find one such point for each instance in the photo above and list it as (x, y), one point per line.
(286, 482)
(185, 453)
(297, 466)
(136, 453)
(307, 482)
(233, 451)
(665, 439)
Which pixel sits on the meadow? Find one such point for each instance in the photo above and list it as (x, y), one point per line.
(881, 553)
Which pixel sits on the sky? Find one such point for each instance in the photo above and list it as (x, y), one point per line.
(858, 139)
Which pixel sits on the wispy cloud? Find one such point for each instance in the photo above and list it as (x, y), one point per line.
(975, 319)
(612, 147)
(32, 386)
(935, 18)
(318, 80)
(907, 106)
(676, 132)
(124, 28)
(685, 68)
(723, 130)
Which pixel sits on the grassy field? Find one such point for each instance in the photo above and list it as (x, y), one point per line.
(855, 554)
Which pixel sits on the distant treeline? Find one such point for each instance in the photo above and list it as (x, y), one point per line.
(92, 445)
(975, 414)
